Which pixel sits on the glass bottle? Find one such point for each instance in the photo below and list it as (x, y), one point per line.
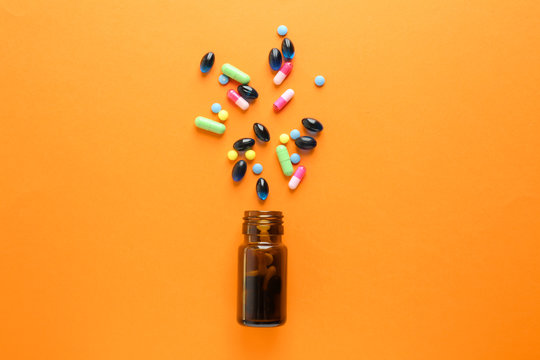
(262, 270)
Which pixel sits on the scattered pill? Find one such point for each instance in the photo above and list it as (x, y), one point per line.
(216, 108)
(223, 115)
(295, 158)
(223, 79)
(283, 138)
(284, 160)
(283, 73)
(283, 99)
(247, 92)
(297, 177)
(261, 132)
(239, 170)
(207, 62)
(232, 155)
(262, 189)
(274, 59)
(209, 125)
(244, 144)
(287, 48)
(305, 142)
(295, 134)
(319, 80)
(235, 73)
(250, 154)
(237, 99)
(257, 168)
(312, 125)
(282, 30)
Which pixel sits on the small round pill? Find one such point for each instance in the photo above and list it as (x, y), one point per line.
(223, 79)
(284, 138)
(295, 158)
(250, 154)
(295, 134)
(223, 115)
(232, 155)
(282, 30)
(319, 80)
(257, 168)
(216, 107)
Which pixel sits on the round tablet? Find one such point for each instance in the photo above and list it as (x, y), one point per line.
(282, 30)
(295, 158)
(216, 107)
(223, 79)
(284, 138)
(295, 134)
(223, 115)
(319, 80)
(232, 155)
(257, 168)
(250, 154)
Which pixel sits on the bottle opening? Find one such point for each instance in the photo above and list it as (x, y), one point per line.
(260, 222)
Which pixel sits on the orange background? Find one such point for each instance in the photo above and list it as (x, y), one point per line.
(415, 234)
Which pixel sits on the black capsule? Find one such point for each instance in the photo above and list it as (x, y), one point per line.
(312, 125)
(287, 48)
(262, 189)
(207, 62)
(247, 92)
(239, 170)
(274, 59)
(305, 142)
(261, 132)
(244, 144)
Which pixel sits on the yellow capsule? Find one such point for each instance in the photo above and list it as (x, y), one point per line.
(232, 155)
(250, 154)
(284, 138)
(223, 115)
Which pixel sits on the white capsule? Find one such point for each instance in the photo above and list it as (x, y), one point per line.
(297, 177)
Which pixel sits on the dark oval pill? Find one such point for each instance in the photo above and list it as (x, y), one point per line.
(247, 92)
(312, 125)
(274, 59)
(207, 62)
(262, 189)
(305, 142)
(287, 48)
(244, 144)
(239, 170)
(261, 132)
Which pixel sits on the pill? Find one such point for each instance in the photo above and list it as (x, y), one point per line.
(274, 59)
(312, 125)
(283, 73)
(237, 99)
(262, 189)
(244, 144)
(319, 80)
(209, 125)
(239, 170)
(247, 92)
(207, 62)
(235, 73)
(287, 48)
(261, 132)
(232, 155)
(282, 30)
(295, 158)
(250, 154)
(223, 115)
(295, 134)
(283, 99)
(305, 142)
(223, 79)
(284, 160)
(297, 177)
(257, 168)
(216, 108)
(283, 138)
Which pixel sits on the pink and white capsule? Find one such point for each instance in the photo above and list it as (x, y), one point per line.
(237, 99)
(283, 99)
(297, 177)
(283, 73)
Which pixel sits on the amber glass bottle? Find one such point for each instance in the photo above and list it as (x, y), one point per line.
(262, 270)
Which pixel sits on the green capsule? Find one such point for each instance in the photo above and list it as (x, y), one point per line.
(284, 160)
(210, 125)
(235, 73)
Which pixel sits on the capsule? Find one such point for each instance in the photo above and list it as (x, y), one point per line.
(262, 189)
(239, 170)
(237, 100)
(207, 62)
(312, 125)
(305, 142)
(209, 125)
(244, 144)
(283, 99)
(284, 160)
(261, 132)
(247, 92)
(287, 48)
(235, 73)
(283, 73)
(297, 177)
(274, 59)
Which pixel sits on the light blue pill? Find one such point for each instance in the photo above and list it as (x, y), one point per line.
(319, 80)
(223, 79)
(282, 30)
(295, 158)
(216, 108)
(295, 134)
(257, 168)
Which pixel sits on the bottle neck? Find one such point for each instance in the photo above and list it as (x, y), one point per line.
(262, 226)
(262, 239)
